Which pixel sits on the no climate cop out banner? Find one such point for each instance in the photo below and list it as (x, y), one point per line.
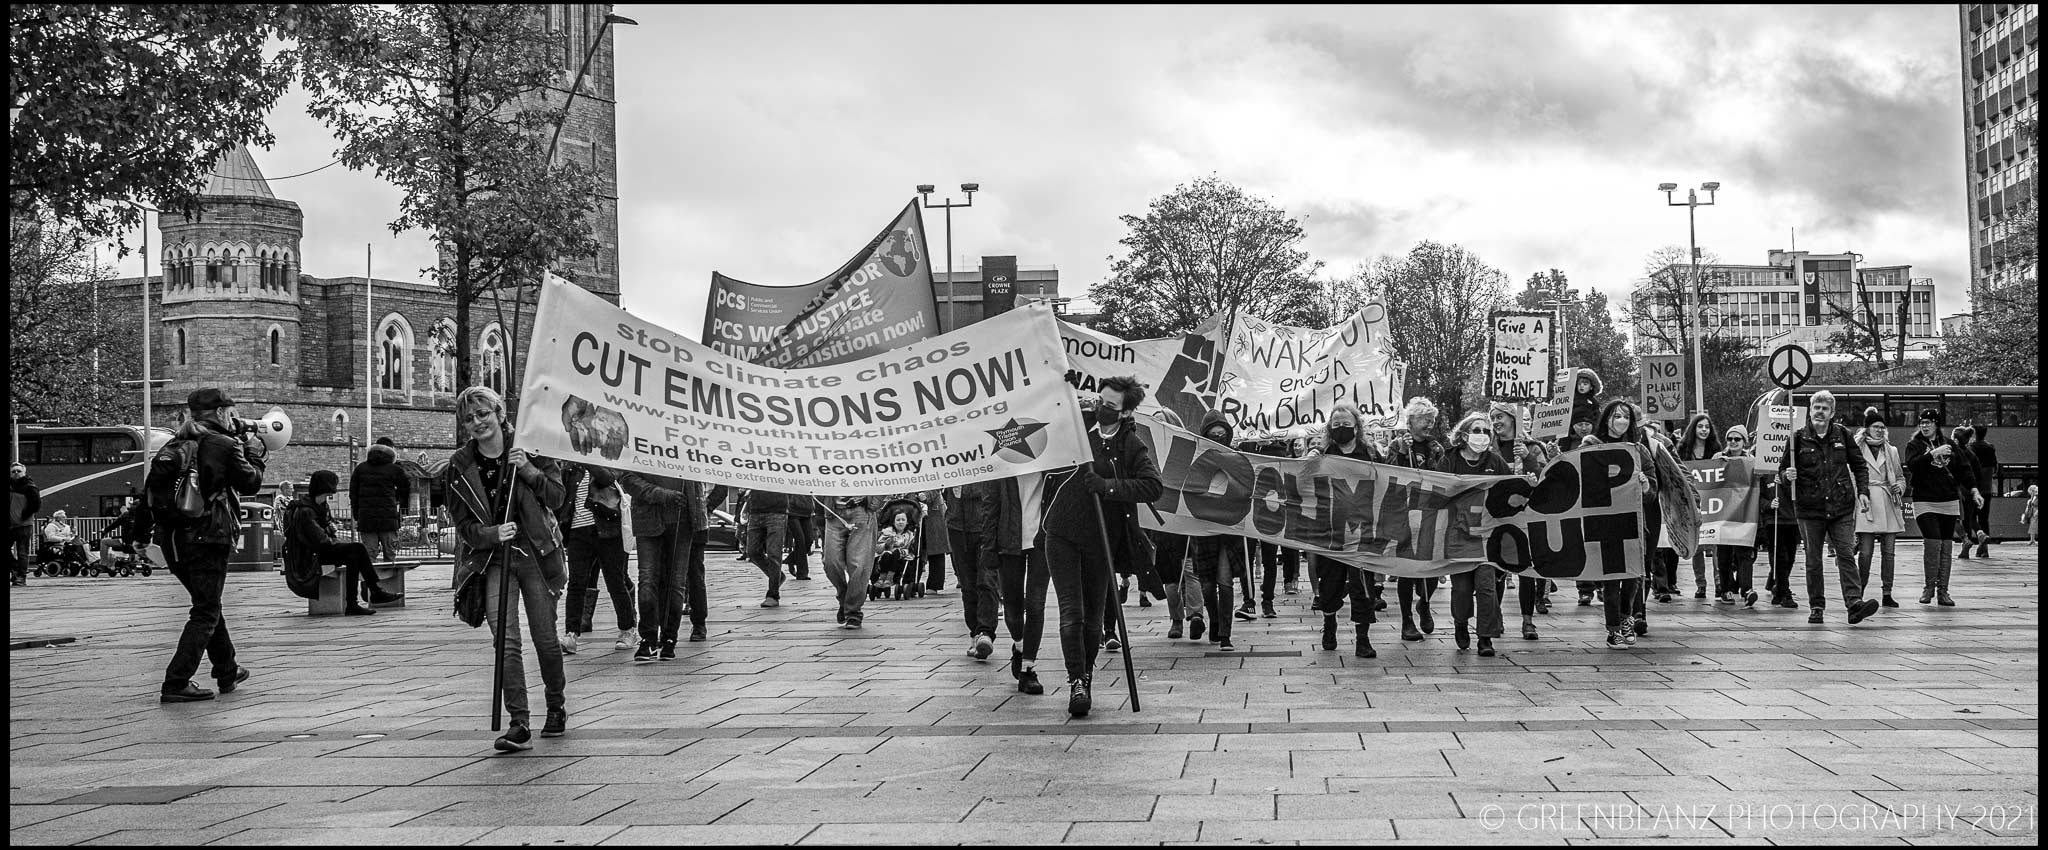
(1728, 500)
(1581, 520)
(880, 299)
(606, 387)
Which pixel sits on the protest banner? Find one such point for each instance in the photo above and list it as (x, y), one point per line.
(1582, 520)
(1664, 386)
(1180, 370)
(1552, 420)
(1772, 426)
(606, 387)
(1728, 500)
(1519, 352)
(1280, 381)
(880, 299)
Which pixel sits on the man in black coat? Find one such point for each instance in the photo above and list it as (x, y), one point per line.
(24, 501)
(1830, 483)
(1985, 458)
(378, 490)
(198, 549)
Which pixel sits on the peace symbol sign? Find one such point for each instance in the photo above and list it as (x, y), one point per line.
(1790, 366)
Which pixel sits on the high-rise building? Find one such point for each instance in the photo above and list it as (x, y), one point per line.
(967, 296)
(1795, 296)
(2001, 80)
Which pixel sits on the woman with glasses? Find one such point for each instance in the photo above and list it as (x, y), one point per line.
(1474, 455)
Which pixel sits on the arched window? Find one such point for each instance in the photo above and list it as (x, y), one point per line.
(181, 346)
(276, 343)
(441, 357)
(340, 421)
(492, 355)
(394, 341)
(213, 269)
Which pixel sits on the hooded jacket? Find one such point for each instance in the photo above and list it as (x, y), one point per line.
(378, 489)
(1586, 406)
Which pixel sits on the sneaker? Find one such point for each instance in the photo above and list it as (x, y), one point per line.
(983, 646)
(627, 638)
(647, 652)
(558, 723)
(841, 615)
(1663, 597)
(696, 634)
(1173, 631)
(668, 650)
(1699, 593)
(228, 685)
(1016, 660)
(1614, 640)
(515, 739)
(1628, 638)
(1542, 604)
(1528, 630)
(1727, 597)
(1786, 602)
(1196, 626)
(189, 693)
(1862, 610)
(1266, 610)
(356, 609)
(1078, 700)
(1814, 617)
(1027, 683)
(1110, 644)
(1642, 626)
(568, 643)
(1245, 614)
(770, 602)
(1585, 599)
(1749, 599)
(850, 624)
(1288, 588)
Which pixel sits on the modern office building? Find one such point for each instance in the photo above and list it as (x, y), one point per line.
(2001, 82)
(1797, 296)
(996, 286)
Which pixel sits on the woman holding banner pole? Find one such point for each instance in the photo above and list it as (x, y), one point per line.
(1474, 456)
(1334, 580)
(1418, 449)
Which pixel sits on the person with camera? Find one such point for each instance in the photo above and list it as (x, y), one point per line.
(228, 463)
(518, 540)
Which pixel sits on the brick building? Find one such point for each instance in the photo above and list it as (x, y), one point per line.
(234, 309)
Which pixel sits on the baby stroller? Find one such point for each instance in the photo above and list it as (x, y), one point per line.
(898, 574)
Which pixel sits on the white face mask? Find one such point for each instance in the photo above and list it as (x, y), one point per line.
(1479, 442)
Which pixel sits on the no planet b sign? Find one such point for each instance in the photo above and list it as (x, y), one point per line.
(1518, 356)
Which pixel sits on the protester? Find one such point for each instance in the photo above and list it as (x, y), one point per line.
(1586, 390)
(977, 572)
(503, 502)
(1829, 483)
(850, 552)
(24, 501)
(198, 549)
(1965, 462)
(1335, 581)
(1664, 481)
(1735, 566)
(1881, 521)
(1474, 455)
(594, 540)
(1011, 535)
(667, 514)
(1779, 532)
(1700, 442)
(801, 536)
(1184, 597)
(378, 491)
(1274, 559)
(1523, 457)
(1581, 429)
(1418, 449)
(937, 543)
(310, 544)
(1086, 507)
(1938, 486)
(767, 525)
(1985, 458)
(1218, 558)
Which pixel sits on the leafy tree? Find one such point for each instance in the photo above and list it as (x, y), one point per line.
(1735, 376)
(1438, 297)
(67, 356)
(1206, 247)
(112, 102)
(2001, 345)
(452, 110)
(1591, 339)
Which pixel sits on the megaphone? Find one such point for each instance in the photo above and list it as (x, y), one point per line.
(274, 429)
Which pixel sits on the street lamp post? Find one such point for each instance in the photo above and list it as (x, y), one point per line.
(588, 52)
(1692, 203)
(924, 191)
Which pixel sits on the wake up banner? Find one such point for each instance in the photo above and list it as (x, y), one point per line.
(1581, 520)
(605, 387)
(880, 299)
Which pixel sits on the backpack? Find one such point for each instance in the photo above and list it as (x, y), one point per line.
(172, 485)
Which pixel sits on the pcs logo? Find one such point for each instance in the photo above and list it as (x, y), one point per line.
(593, 428)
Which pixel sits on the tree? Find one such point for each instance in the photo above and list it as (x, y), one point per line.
(452, 109)
(2001, 345)
(1657, 311)
(67, 356)
(1207, 247)
(110, 103)
(1591, 339)
(1735, 376)
(1859, 333)
(1438, 298)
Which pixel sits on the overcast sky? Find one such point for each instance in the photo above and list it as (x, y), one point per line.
(770, 143)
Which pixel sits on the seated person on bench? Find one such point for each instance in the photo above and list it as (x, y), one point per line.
(309, 541)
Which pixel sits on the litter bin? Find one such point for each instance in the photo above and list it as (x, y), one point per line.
(258, 527)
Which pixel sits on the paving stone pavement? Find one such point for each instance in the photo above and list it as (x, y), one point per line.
(1724, 725)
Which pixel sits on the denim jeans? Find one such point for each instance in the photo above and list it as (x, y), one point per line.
(1937, 550)
(1081, 580)
(1334, 581)
(1839, 534)
(1477, 584)
(664, 588)
(538, 599)
(1886, 545)
(849, 556)
(980, 587)
(383, 545)
(203, 569)
(1736, 568)
(590, 555)
(765, 533)
(1621, 598)
(1219, 560)
(1024, 578)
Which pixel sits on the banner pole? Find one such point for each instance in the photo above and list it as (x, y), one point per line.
(1123, 635)
(504, 591)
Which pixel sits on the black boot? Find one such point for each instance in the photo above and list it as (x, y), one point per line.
(1363, 645)
(1329, 631)
(1078, 698)
(1408, 631)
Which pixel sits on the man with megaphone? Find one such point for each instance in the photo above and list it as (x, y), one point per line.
(227, 459)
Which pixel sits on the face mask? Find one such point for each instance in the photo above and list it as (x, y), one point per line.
(1479, 442)
(1342, 435)
(1215, 436)
(1107, 417)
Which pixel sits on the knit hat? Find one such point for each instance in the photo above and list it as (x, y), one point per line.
(1871, 416)
(1931, 415)
(1738, 432)
(324, 482)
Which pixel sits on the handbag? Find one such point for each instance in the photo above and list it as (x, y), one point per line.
(469, 600)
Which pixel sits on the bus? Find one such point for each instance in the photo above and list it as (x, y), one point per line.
(88, 471)
(2012, 420)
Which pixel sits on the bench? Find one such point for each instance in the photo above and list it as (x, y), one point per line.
(390, 578)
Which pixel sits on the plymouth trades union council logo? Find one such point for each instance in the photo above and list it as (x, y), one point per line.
(1019, 440)
(899, 253)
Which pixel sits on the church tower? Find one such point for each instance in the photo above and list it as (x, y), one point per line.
(590, 132)
(231, 308)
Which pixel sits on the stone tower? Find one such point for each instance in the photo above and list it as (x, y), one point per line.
(231, 308)
(590, 133)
